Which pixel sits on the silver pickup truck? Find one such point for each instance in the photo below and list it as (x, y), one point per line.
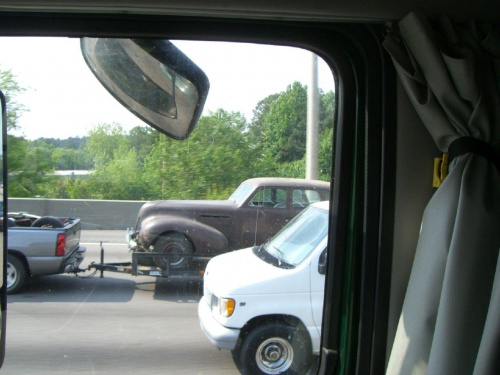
(41, 246)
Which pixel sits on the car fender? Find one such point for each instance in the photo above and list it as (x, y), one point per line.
(204, 238)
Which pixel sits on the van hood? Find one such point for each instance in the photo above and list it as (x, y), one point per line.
(242, 272)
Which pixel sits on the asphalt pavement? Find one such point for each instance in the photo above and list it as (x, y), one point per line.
(118, 324)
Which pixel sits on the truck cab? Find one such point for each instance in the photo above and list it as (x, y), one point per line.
(265, 303)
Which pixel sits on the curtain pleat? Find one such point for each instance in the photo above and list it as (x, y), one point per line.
(450, 322)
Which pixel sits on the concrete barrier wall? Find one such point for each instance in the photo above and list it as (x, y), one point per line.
(95, 214)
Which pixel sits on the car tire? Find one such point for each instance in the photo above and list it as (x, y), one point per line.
(175, 244)
(275, 348)
(16, 274)
(47, 222)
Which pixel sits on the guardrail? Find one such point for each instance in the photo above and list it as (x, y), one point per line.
(94, 214)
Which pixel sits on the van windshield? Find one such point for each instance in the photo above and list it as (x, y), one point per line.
(297, 239)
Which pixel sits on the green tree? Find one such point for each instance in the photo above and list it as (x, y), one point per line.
(67, 159)
(119, 179)
(29, 166)
(104, 140)
(31, 174)
(209, 164)
(284, 124)
(142, 139)
(11, 89)
(278, 131)
(118, 168)
(327, 112)
(71, 143)
(256, 130)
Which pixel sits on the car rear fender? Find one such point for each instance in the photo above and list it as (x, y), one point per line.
(205, 239)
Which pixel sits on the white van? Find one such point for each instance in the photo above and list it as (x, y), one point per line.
(265, 303)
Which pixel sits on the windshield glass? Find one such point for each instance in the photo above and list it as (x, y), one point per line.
(241, 194)
(296, 240)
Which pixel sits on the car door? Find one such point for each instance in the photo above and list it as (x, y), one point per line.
(262, 216)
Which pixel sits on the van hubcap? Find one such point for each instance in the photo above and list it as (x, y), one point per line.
(274, 355)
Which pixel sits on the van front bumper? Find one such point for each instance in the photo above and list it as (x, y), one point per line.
(220, 336)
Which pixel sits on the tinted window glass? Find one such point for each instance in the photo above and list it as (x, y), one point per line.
(303, 198)
(269, 198)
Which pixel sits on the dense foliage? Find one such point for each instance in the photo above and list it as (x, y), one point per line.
(142, 164)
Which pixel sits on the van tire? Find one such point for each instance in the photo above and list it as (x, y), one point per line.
(275, 348)
(16, 274)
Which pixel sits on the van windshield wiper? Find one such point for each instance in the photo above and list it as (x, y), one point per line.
(263, 246)
(275, 257)
(280, 256)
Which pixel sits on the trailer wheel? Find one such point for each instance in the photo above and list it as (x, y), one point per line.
(16, 274)
(275, 348)
(47, 222)
(176, 245)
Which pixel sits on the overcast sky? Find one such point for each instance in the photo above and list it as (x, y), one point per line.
(64, 98)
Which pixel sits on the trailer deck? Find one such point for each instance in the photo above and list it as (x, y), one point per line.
(196, 265)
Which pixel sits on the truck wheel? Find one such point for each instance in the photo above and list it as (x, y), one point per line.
(275, 348)
(176, 245)
(47, 222)
(16, 274)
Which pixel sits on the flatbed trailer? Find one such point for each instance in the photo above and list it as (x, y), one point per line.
(196, 265)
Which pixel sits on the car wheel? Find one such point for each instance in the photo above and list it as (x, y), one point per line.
(16, 274)
(47, 222)
(275, 348)
(176, 245)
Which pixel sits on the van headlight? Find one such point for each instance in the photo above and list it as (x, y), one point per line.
(226, 306)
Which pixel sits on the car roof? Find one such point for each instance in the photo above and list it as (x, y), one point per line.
(287, 182)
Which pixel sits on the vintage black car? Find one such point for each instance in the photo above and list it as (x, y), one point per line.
(257, 209)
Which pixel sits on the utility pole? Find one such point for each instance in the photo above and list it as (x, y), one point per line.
(312, 140)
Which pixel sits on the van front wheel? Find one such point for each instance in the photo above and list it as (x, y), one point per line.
(275, 348)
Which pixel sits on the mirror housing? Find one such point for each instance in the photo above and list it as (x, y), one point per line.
(322, 263)
(152, 78)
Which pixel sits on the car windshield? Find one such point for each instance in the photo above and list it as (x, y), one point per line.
(241, 194)
(296, 240)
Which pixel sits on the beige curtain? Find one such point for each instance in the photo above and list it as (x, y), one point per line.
(450, 323)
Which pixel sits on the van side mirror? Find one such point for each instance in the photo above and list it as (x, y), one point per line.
(152, 78)
(322, 263)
